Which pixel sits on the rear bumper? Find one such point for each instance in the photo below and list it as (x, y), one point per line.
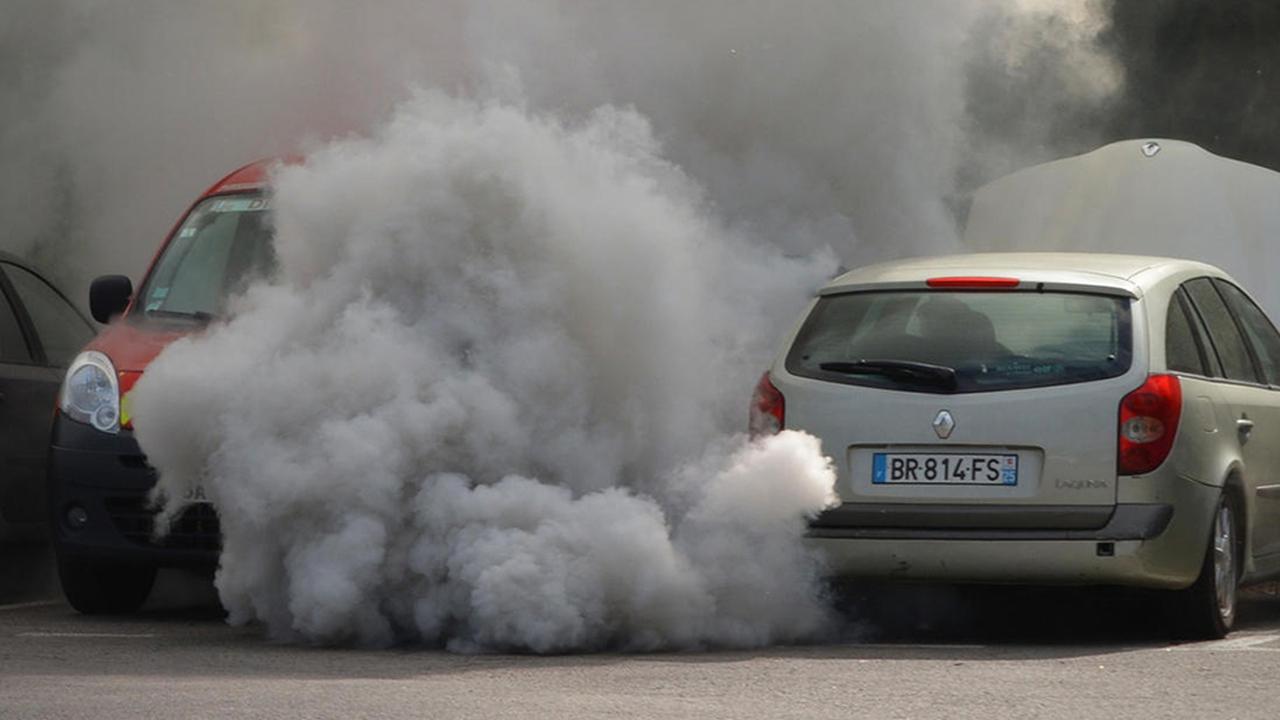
(1157, 544)
(889, 521)
(108, 477)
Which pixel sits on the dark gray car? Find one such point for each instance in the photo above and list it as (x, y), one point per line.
(40, 331)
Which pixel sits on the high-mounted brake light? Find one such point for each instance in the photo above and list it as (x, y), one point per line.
(1148, 424)
(972, 283)
(768, 409)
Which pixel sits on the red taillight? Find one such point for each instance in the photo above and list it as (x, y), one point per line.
(972, 283)
(1148, 424)
(767, 409)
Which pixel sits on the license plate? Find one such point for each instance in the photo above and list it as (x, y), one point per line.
(944, 468)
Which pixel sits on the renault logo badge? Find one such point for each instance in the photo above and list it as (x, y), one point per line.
(943, 424)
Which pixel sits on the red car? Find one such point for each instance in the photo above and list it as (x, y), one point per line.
(98, 477)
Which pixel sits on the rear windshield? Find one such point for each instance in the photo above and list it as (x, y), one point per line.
(222, 246)
(940, 341)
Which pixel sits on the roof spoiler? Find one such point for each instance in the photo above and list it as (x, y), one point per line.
(1125, 291)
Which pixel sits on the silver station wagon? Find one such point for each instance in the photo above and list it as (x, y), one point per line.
(1043, 418)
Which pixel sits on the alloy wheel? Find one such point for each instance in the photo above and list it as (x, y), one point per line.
(1224, 562)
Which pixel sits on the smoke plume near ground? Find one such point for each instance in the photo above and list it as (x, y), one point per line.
(483, 401)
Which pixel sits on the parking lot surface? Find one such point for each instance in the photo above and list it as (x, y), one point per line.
(919, 653)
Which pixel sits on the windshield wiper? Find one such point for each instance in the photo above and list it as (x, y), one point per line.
(197, 315)
(901, 370)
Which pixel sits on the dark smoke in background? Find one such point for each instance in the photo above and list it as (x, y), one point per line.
(1194, 70)
(1201, 71)
(859, 126)
(1037, 88)
(821, 124)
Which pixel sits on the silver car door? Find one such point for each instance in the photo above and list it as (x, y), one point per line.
(1265, 343)
(1245, 411)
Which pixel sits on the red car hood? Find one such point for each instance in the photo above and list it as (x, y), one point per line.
(131, 347)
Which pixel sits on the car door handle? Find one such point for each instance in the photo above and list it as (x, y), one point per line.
(1244, 426)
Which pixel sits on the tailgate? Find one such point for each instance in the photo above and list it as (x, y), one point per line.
(1062, 439)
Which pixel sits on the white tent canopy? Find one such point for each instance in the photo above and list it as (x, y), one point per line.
(1147, 197)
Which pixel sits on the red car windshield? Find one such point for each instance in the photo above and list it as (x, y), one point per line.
(222, 246)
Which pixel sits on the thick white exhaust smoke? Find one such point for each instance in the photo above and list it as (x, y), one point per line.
(475, 405)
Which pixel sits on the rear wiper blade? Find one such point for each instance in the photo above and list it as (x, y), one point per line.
(901, 370)
(197, 315)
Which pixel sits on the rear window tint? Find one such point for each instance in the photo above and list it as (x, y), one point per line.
(991, 340)
(1262, 334)
(1181, 351)
(62, 330)
(13, 347)
(1223, 333)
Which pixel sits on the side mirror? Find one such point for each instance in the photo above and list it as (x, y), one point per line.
(109, 296)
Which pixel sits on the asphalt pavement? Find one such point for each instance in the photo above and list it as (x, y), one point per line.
(905, 653)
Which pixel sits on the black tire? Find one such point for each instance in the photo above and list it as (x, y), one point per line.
(1207, 609)
(102, 588)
